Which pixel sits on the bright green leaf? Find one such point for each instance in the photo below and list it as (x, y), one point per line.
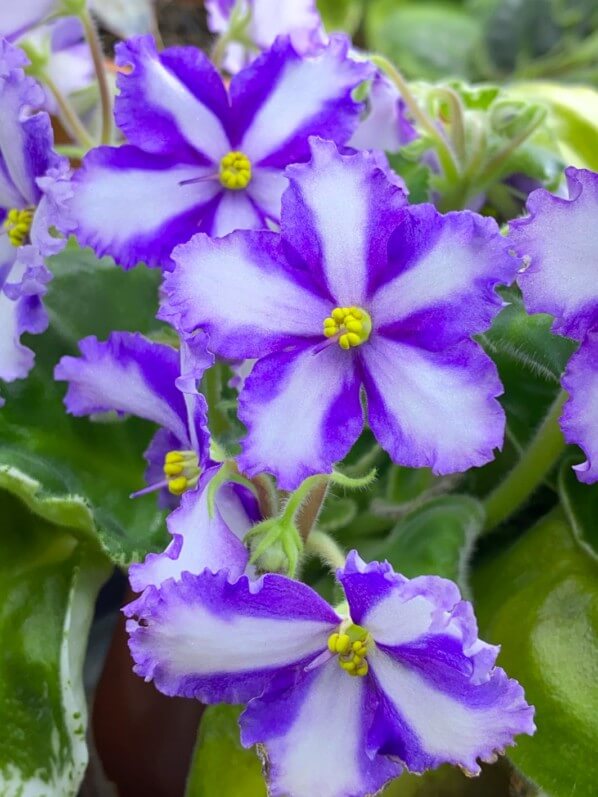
(539, 601)
(436, 539)
(220, 765)
(48, 586)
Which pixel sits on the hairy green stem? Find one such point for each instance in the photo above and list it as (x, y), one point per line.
(325, 548)
(97, 55)
(445, 154)
(537, 460)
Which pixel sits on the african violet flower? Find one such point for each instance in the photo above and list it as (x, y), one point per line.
(131, 374)
(34, 186)
(561, 279)
(340, 699)
(199, 159)
(255, 24)
(360, 290)
(18, 17)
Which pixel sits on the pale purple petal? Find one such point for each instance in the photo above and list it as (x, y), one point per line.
(302, 411)
(314, 733)
(283, 98)
(194, 362)
(127, 373)
(208, 638)
(172, 102)
(579, 420)
(138, 207)
(386, 126)
(265, 190)
(22, 284)
(241, 291)
(563, 254)
(200, 541)
(26, 137)
(440, 284)
(53, 221)
(339, 213)
(412, 393)
(16, 18)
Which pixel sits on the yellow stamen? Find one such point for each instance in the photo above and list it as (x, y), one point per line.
(351, 326)
(235, 171)
(182, 472)
(351, 646)
(18, 224)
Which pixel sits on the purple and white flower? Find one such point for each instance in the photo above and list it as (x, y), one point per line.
(253, 25)
(359, 291)
(339, 699)
(34, 185)
(560, 279)
(131, 374)
(17, 18)
(202, 159)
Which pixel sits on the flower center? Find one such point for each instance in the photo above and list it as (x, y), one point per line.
(18, 224)
(351, 647)
(350, 325)
(181, 469)
(235, 171)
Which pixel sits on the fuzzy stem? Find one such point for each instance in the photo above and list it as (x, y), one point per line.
(544, 450)
(325, 548)
(91, 34)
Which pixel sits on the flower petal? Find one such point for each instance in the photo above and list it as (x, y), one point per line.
(22, 284)
(314, 733)
(241, 291)
(386, 126)
(138, 207)
(127, 373)
(208, 638)
(338, 214)
(302, 411)
(428, 721)
(201, 541)
(235, 211)
(443, 271)
(171, 102)
(16, 18)
(26, 138)
(561, 278)
(282, 98)
(578, 420)
(266, 189)
(411, 393)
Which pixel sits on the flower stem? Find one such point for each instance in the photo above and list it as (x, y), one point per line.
(68, 115)
(91, 34)
(537, 460)
(445, 154)
(325, 548)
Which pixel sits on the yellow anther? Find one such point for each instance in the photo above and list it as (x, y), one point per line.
(18, 225)
(351, 326)
(235, 171)
(351, 647)
(181, 469)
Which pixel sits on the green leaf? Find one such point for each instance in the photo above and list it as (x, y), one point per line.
(72, 471)
(530, 362)
(48, 586)
(573, 116)
(539, 600)
(220, 765)
(337, 512)
(428, 41)
(415, 174)
(580, 502)
(436, 539)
